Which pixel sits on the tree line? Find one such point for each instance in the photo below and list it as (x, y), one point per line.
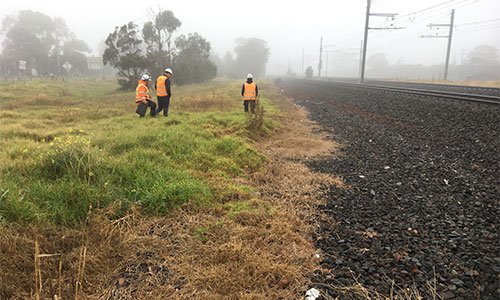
(42, 42)
(45, 44)
(252, 55)
(134, 51)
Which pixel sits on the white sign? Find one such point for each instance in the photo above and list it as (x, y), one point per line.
(22, 65)
(67, 66)
(94, 63)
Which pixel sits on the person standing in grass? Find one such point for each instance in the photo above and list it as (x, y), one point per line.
(249, 92)
(163, 92)
(143, 98)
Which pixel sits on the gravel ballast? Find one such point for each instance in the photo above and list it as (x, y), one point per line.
(422, 204)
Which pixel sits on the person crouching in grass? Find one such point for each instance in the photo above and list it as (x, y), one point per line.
(143, 98)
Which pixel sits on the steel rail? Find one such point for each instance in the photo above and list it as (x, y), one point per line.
(486, 99)
(483, 90)
(467, 89)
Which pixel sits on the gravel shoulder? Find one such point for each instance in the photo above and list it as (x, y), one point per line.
(422, 207)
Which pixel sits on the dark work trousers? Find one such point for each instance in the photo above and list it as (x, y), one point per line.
(250, 103)
(152, 105)
(163, 103)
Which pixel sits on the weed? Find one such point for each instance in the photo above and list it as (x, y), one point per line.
(255, 121)
(238, 207)
(201, 233)
(69, 156)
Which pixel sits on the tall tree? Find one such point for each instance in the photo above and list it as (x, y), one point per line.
(125, 52)
(41, 27)
(309, 72)
(251, 56)
(214, 57)
(483, 63)
(189, 56)
(378, 65)
(483, 55)
(158, 34)
(229, 66)
(193, 64)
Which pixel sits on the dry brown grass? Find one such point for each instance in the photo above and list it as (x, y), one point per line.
(200, 99)
(491, 83)
(60, 262)
(300, 137)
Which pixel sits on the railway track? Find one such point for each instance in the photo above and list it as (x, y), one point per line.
(480, 90)
(422, 201)
(487, 95)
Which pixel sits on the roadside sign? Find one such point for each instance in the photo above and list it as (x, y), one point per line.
(94, 63)
(22, 65)
(67, 66)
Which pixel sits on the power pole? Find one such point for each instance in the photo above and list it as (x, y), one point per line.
(367, 27)
(360, 57)
(320, 54)
(365, 41)
(302, 70)
(326, 64)
(326, 69)
(321, 47)
(449, 37)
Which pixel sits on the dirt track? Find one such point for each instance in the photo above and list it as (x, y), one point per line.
(423, 201)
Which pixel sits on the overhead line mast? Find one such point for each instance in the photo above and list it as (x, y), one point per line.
(449, 37)
(320, 63)
(367, 27)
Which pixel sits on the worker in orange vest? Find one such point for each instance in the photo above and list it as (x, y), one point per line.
(249, 92)
(143, 98)
(163, 92)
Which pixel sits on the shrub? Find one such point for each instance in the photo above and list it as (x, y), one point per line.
(257, 125)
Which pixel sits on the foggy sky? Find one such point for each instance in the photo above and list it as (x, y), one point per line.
(289, 27)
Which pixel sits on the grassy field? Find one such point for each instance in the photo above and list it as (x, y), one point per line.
(70, 147)
(96, 203)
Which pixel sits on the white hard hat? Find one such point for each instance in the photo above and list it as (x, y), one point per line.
(168, 70)
(249, 75)
(145, 77)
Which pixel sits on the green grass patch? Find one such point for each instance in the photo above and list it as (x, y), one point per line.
(235, 208)
(201, 233)
(79, 146)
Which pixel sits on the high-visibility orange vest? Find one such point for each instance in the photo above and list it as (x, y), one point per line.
(250, 91)
(161, 88)
(141, 92)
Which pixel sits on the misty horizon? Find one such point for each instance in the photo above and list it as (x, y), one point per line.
(291, 30)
